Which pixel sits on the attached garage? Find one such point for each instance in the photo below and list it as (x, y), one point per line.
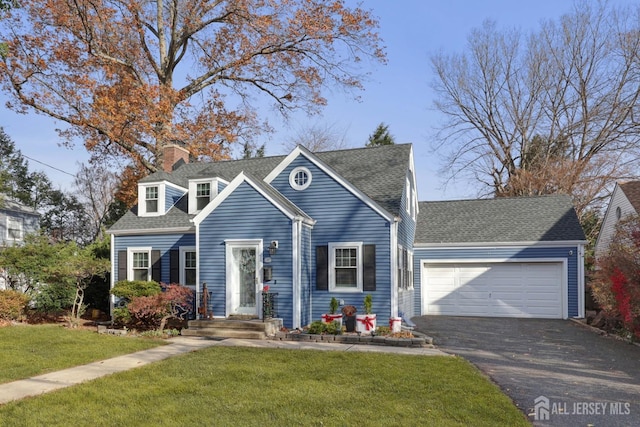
(498, 289)
(506, 257)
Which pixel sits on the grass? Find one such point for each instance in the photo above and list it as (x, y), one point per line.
(28, 350)
(244, 386)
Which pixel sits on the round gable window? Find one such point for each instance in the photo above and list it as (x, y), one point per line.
(300, 178)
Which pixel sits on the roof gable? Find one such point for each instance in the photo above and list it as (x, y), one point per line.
(503, 220)
(272, 195)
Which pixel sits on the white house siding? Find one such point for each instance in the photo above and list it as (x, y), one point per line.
(618, 199)
(30, 224)
(341, 217)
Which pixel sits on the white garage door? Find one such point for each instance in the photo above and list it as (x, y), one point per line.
(494, 289)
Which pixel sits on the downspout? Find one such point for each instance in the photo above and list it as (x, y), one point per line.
(581, 282)
(295, 231)
(112, 298)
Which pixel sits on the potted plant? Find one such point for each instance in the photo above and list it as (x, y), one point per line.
(349, 312)
(332, 316)
(366, 323)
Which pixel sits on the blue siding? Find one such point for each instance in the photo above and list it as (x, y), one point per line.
(162, 242)
(536, 252)
(306, 275)
(406, 237)
(246, 214)
(172, 195)
(341, 217)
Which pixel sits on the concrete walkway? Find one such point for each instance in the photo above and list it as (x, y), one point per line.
(180, 345)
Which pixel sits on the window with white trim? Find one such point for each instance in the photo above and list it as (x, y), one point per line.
(405, 268)
(203, 195)
(300, 178)
(189, 267)
(14, 228)
(151, 199)
(345, 266)
(139, 264)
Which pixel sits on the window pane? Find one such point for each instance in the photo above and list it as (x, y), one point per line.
(152, 206)
(151, 193)
(190, 260)
(190, 277)
(202, 202)
(346, 277)
(141, 274)
(141, 260)
(203, 189)
(301, 178)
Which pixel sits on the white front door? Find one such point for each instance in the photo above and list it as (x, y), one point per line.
(243, 280)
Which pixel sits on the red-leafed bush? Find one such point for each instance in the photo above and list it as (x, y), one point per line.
(153, 312)
(616, 282)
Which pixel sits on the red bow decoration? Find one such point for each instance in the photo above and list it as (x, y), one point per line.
(328, 318)
(368, 322)
(392, 321)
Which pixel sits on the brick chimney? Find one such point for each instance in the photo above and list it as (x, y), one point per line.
(171, 154)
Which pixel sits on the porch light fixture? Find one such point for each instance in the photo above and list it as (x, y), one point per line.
(273, 247)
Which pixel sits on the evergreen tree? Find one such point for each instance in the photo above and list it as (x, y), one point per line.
(380, 136)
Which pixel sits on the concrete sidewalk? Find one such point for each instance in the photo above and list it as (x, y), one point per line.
(180, 345)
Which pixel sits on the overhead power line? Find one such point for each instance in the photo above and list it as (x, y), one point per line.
(48, 165)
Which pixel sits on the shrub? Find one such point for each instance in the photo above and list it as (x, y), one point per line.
(12, 304)
(153, 311)
(135, 288)
(318, 327)
(53, 298)
(616, 283)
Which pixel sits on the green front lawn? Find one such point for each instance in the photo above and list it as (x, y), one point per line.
(244, 386)
(29, 350)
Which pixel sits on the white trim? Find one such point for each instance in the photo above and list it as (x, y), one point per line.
(162, 197)
(20, 222)
(393, 245)
(138, 249)
(182, 263)
(563, 261)
(299, 150)
(229, 189)
(198, 264)
(231, 282)
(493, 245)
(293, 175)
(581, 284)
(296, 229)
(332, 265)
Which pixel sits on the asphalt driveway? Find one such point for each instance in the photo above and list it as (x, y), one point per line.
(576, 377)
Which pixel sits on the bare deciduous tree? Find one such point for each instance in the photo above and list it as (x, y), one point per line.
(551, 111)
(318, 137)
(96, 186)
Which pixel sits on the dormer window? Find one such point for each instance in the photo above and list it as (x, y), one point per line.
(151, 199)
(203, 195)
(201, 192)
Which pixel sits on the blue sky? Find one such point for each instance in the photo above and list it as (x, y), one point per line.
(397, 94)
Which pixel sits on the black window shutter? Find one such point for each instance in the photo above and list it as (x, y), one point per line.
(122, 265)
(174, 266)
(369, 276)
(322, 268)
(155, 266)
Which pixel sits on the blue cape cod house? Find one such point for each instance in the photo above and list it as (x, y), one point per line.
(312, 226)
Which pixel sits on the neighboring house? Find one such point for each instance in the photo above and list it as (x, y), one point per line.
(313, 226)
(625, 202)
(16, 220)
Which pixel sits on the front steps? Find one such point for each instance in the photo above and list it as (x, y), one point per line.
(228, 328)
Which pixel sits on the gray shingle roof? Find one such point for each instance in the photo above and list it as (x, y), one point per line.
(518, 219)
(9, 204)
(378, 172)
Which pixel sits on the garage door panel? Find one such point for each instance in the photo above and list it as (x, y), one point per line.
(494, 289)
